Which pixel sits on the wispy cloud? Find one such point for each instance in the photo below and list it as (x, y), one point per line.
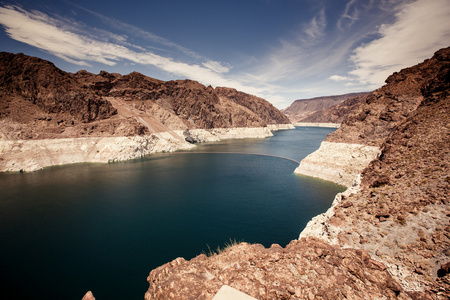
(70, 44)
(317, 25)
(297, 55)
(349, 16)
(138, 32)
(420, 29)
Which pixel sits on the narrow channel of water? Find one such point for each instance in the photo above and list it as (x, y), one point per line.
(103, 227)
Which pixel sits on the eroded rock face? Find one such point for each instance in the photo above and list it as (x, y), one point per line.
(401, 214)
(305, 269)
(338, 162)
(387, 107)
(39, 101)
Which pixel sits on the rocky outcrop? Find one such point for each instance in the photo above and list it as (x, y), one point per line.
(88, 296)
(305, 269)
(303, 110)
(51, 90)
(400, 213)
(252, 109)
(396, 215)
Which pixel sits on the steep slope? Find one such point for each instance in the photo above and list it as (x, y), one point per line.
(337, 113)
(40, 101)
(301, 109)
(396, 216)
(401, 214)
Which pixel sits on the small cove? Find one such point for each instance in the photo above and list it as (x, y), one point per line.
(102, 227)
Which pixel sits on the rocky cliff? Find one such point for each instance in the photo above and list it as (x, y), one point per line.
(302, 110)
(38, 101)
(395, 216)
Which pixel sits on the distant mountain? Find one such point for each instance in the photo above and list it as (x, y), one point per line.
(301, 109)
(38, 100)
(336, 113)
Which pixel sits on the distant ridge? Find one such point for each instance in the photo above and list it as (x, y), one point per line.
(301, 109)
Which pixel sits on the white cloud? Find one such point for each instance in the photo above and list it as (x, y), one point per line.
(347, 16)
(216, 66)
(136, 31)
(317, 25)
(420, 29)
(48, 34)
(340, 78)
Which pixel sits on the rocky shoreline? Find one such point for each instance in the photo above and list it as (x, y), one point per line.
(394, 217)
(340, 163)
(33, 155)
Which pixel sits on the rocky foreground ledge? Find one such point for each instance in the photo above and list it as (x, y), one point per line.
(386, 237)
(305, 269)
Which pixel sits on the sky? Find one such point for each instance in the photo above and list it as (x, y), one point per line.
(280, 50)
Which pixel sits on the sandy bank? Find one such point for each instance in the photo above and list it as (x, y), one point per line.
(32, 155)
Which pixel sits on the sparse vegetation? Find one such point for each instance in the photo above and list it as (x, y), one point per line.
(218, 250)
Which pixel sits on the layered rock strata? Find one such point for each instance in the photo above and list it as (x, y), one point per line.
(33, 155)
(338, 162)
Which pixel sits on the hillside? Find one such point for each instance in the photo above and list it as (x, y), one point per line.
(394, 217)
(41, 101)
(301, 109)
(336, 113)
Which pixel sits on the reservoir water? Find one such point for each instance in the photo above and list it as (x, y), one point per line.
(103, 227)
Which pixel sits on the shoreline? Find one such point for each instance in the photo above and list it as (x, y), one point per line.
(341, 163)
(33, 155)
(325, 125)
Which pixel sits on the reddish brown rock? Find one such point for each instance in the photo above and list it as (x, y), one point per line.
(88, 296)
(382, 110)
(305, 269)
(328, 109)
(38, 100)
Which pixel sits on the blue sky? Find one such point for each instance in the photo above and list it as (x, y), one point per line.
(281, 50)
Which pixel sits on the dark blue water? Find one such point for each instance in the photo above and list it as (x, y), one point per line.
(104, 227)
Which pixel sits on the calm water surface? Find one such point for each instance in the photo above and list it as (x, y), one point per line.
(103, 227)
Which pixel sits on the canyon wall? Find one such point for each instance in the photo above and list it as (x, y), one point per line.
(48, 116)
(394, 216)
